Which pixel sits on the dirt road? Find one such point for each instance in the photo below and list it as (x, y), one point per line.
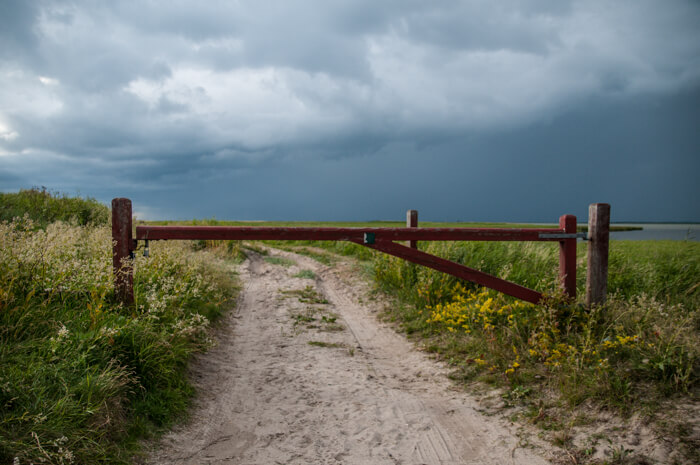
(305, 374)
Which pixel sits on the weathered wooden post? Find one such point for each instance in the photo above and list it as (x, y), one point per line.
(567, 256)
(122, 247)
(412, 222)
(598, 246)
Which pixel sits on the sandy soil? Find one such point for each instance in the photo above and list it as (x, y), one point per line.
(295, 380)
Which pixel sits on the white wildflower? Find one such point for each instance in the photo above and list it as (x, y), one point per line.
(108, 332)
(63, 332)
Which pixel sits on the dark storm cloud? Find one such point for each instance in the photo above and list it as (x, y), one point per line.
(169, 97)
(17, 35)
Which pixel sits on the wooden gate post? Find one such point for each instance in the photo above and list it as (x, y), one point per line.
(412, 222)
(122, 247)
(598, 246)
(567, 256)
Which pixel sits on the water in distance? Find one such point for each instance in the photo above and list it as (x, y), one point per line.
(658, 231)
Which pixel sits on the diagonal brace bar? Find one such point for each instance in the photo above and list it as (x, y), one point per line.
(455, 269)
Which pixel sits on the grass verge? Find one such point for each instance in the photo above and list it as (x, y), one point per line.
(637, 354)
(82, 378)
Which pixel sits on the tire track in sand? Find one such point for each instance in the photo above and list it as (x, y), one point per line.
(361, 395)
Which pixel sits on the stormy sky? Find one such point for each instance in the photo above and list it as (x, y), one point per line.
(356, 110)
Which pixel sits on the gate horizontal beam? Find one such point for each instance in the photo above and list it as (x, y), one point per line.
(343, 234)
(455, 269)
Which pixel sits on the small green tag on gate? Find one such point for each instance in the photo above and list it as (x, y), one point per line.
(369, 238)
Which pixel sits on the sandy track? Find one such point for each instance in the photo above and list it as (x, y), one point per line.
(361, 394)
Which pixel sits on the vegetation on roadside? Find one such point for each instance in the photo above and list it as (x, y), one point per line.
(644, 340)
(82, 378)
(630, 355)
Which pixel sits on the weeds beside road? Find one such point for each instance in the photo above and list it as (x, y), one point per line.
(83, 378)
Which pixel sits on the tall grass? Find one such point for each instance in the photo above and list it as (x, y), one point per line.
(641, 346)
(665, 270)
(82, 377)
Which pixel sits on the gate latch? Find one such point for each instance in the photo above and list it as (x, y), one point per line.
(581, 235)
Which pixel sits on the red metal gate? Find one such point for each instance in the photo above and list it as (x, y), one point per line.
(383, 240)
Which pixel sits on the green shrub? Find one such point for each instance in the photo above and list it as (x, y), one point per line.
(45, 207)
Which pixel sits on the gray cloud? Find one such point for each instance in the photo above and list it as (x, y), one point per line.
(17, 35)
(156, 96)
